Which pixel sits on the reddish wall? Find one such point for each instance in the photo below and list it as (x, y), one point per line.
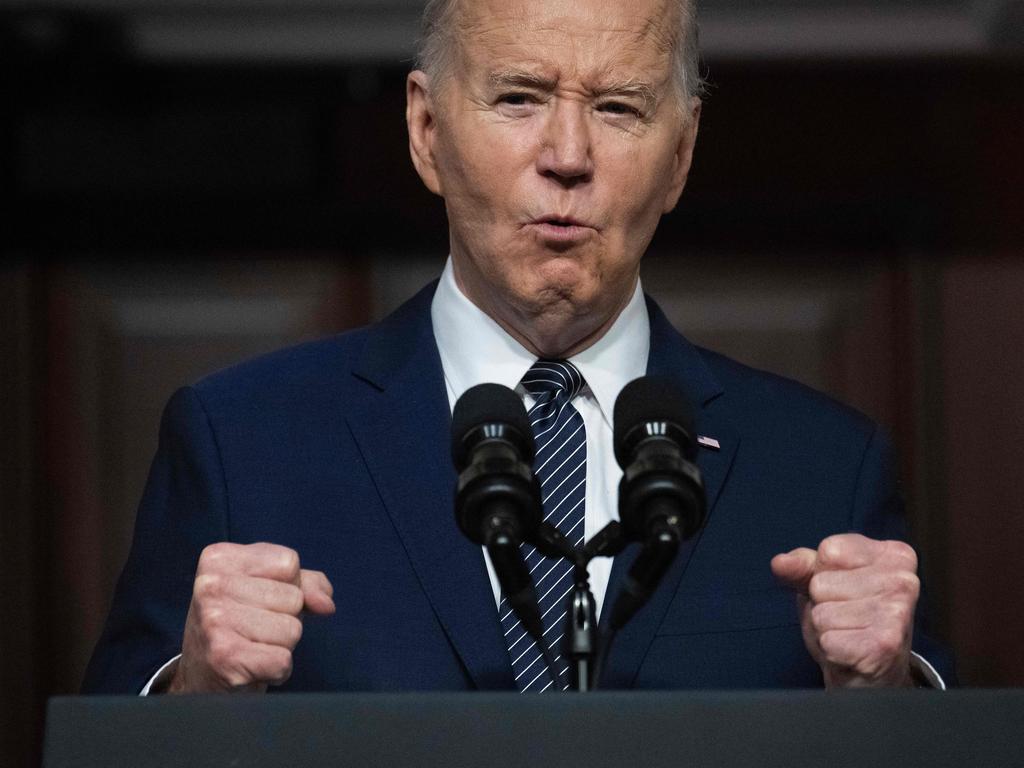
(983, 349)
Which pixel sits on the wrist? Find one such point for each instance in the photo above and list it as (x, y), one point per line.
(177, 682)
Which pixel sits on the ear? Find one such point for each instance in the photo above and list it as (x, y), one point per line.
(683, 155)
(421, 121)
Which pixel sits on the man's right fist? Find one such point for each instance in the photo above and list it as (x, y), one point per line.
(243, 622)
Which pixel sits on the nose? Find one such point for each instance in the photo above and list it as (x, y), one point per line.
(565, 153)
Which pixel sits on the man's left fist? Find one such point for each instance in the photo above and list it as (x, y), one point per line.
(857, 598)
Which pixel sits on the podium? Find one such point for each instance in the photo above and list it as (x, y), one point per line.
(790, 729)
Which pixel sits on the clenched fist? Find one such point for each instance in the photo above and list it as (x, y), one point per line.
(243, 622)
(857, 598)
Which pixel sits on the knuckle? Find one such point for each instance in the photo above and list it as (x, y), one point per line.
(902, 553)
(235, 678)
(211, 620)
(280, 666)
(900, 613)
(208, 585)
(213, 554)
(820, 615)
(817, 585)
(288, 561)
(293, 631)
(831, 647)
(825, 640)
(870, 666)
(294, 599)
(221, 653)
(831, 549)
(908, 584)
(888, 642)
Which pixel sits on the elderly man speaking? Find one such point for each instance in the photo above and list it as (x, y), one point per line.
(297, 527)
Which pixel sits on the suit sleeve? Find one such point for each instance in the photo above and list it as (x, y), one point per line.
(184, 508)
(878, 513)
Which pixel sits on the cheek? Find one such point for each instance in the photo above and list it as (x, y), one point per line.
(647, 179)
(476, 169)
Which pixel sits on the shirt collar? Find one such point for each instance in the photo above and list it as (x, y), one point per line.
(474, 349)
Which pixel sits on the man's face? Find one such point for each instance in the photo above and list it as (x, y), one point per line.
(557, 142)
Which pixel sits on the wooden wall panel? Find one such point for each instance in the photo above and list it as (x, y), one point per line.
(21, 695)
(824, 320)
(983, 321)
(859, 328)
(122, 339)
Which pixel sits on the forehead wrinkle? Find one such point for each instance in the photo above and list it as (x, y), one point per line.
(626, 56)
(662, 26)
(631, 87)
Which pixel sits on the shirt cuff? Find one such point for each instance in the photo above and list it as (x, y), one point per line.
(158, 683)
(924, 672)
(918, 664)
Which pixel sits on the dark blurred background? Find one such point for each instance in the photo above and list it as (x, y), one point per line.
(187, 183)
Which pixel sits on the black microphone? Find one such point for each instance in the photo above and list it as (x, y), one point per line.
(661, 494)
(498, 499)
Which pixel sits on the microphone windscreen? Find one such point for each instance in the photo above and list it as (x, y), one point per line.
(487, 405)
(646, 400)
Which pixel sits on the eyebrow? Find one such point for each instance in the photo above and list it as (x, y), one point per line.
(520, 79)
(632, 88)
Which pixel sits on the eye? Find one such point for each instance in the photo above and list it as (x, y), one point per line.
(515, 99)
(618, 108)
(516, 104)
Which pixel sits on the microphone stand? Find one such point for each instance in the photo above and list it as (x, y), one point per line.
(582, 627)
(584, 642)
(586, 649)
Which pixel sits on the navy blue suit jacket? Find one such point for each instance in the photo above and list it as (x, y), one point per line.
(340, 449)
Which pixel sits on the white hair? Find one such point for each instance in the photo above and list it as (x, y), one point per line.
(438, 40)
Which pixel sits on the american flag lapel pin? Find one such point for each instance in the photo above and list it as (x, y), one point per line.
(709, 442)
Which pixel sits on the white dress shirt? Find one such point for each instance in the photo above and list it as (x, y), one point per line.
(475, 350)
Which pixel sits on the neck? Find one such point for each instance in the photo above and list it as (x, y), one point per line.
(562, 341)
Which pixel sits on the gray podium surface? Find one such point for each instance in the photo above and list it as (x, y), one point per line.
(792, 729)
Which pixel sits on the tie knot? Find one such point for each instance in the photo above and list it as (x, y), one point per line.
(553, 376)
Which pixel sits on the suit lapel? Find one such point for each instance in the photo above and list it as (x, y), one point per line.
(674, 357)
(403, 435)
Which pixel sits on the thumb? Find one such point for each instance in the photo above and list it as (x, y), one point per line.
(795, 568)
(317, 592)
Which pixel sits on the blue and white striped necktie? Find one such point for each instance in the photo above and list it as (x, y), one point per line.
(561, 468)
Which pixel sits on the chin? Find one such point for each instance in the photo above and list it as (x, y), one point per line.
(565, 277)
(563, 301)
